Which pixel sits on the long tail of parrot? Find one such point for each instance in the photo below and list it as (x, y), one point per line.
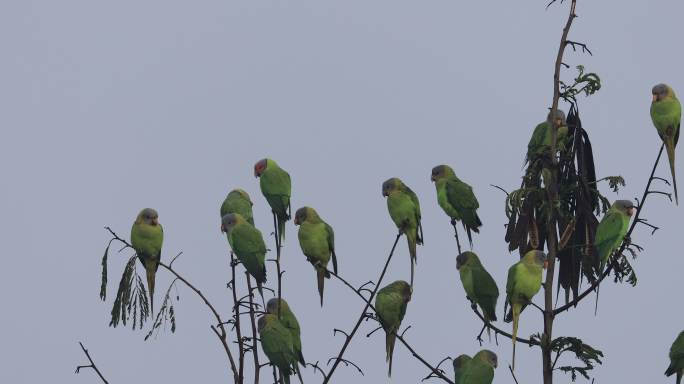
(516, 318)
(151, 270)
(321, 275)
(671, 370)
(299, 374)
(670, 148)
(411, 239)
(285, 375)
(390, 338)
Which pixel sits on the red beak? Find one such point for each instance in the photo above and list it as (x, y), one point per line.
(296, 220)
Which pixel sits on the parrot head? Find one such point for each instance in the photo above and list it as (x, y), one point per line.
(556, 119)
(466, 258)
(305, 213)
(260, 167)
(536, 257)
(242, 193)
(441, 171)
(488, 357)
(148, 216)
(272, 306)
(661, 91)
(229, 221)
(624, 206)
(391, 185)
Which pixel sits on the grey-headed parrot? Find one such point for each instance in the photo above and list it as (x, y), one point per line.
(276, 187)
(677, 358)
(147, 237)
(479, 369)
(390, 303)
(612, 230)
(276, 341)
(479, 285)
(238, 201)
(666, 113)
(248, 246)
(290, 322)
(457, 200)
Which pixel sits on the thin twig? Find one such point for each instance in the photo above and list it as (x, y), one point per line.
(278, 247)
(252, 316)
(236, 317)
(91, 365)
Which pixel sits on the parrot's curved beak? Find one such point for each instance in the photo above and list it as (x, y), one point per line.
(655, 97)
(384, 193)
(155, 221)
(433, 178)
(256, 172)
(296, 220)
(222, 228)
(630, 211)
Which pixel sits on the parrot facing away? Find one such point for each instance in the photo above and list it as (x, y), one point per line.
(666, 113)
(248, 245)
(404, 209)
(317, 240)
(457, 200)
(277, 343)
(612, 230)
(524, 281)
(238, 201)
(479, 285)
(276, 187)
(460, 366)
(390, 304)
(677, 358)
(288, 319)
(147, 237)
(478, 370)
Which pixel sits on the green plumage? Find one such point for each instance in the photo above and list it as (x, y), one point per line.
(677, 358)
(317, 240)
(460, 367)
(147, 237)
(540, 142)
(288, 319)
(276, 341)
(612, 230)
(248, 246)
(479, 285)
(524, 281)
(276, 187)
(390, 303)
(666, 113)
(238, 201)
(478, 370)
(456, 199)
(404, 209)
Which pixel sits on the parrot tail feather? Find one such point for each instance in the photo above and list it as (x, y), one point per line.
(150, 272)
(261, 290)
(281, 227)
(299, 375)
(679, 377)
(516, 318)
(389, 344)
(320, 276)
(670, 147)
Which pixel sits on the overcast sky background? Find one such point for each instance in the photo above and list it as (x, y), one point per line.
(109, 107)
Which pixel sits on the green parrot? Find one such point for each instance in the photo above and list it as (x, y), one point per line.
(479, 369)
(276, 187)
(457, 200)
(479, 285)
(277, 343)
(238, 201)
(677, 358)
(404, 209)
(288, 319)
(666, 113)
(248, 245)
(612, 230)
(390, 304)
(317, 240)
(524, 281)
(147, 237)
(540, 142)
(460, 367)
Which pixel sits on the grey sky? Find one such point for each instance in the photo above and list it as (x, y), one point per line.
(108, 107)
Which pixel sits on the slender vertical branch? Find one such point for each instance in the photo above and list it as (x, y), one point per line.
(278, 246)
(222, 334)
(349, 338)
(552, 193)
(91, 365)
(236, 314)
(252, 315)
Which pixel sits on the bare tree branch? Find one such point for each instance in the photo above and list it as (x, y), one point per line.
(91, 365)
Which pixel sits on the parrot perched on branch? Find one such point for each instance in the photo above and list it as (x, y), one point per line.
(612, 230)
(147, 237)
(479, 285)
(276, 187)
(476, 370)
(677, 358)
(277, 343)
(238, 201)
(390, 303)
(248, 245)
(404, 209)
(317, 240)
(524, 281)
(288, 319)
(666, 113)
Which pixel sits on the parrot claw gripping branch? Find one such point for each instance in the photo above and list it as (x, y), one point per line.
(556, 208)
